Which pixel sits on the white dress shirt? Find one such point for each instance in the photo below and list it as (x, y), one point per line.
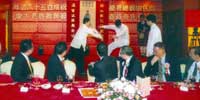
(191, 70)
(122, 33)
(126, 65)
(80, 37)
(61, 58)
(154, 37)
(163, 68)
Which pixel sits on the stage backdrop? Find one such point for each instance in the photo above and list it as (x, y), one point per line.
(48, 21)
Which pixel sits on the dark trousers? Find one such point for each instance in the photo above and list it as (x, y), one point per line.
(77, 55)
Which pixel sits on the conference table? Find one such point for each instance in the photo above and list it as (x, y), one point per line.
(11, 91)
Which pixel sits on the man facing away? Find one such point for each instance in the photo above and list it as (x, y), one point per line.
(22, 70)
(106, 68)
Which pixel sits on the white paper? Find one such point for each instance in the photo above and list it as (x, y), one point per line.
(24, 89)
(65, 90)
(184, 88)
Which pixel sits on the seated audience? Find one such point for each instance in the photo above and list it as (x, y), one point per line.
(193, 72)
(131, 67)
(22, 70)
(162, 66)
(7, 57)
(56, 70)
(187, 62)
(106, 68)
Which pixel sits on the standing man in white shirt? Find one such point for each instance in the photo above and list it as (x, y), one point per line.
(78, 44)
(121, 38)
(154, 34)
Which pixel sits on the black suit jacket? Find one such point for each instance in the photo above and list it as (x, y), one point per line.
(105, 69)
(174, 75)
(188, 62)
(20, 71)
(134, 69)
(56, 69)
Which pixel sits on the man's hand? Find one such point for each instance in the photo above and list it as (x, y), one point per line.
(154, 60)
(100, 27)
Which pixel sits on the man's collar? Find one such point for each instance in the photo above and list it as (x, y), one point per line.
(128, 60)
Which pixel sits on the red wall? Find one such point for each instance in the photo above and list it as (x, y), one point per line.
(51, 22)
(43, 21)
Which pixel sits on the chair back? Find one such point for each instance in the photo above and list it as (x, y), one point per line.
(38, 69)
(5, 67)
(70, 68)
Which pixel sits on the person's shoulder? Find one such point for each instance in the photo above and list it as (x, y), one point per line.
(52, 57)
(19, 56)
(109, 58)
(134, 59)
(150, 57)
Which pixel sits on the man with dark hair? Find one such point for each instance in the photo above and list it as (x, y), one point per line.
(22, 70)
(122, 35)
(193, 72)
(78, 44)
(154, 34)
(162, 66)
(106, 68)
(55, 70)
(131, 67)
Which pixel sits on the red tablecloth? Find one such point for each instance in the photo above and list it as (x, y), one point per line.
(12, 92)
(170, 92)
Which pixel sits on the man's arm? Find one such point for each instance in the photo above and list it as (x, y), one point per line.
(112, 27)
(94, 33)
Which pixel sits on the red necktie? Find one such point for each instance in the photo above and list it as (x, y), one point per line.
(126, 71)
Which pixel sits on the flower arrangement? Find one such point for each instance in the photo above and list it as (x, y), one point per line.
(119, 90)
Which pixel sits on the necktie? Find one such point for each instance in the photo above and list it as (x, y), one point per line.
(195, 71)
(30, 67)
(125, 71)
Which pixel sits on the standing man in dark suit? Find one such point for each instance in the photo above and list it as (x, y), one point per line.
(22, 70)
(131, 67)
(56, 70)
(106, 68)
(161, 65)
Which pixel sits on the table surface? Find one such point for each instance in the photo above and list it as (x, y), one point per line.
(12, 92)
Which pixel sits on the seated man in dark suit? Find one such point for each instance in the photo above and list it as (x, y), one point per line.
(161, 65)
(131, 67)
(22, 70)
(186, 62)
(56, 70)
(106, 68)
(193, 72)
